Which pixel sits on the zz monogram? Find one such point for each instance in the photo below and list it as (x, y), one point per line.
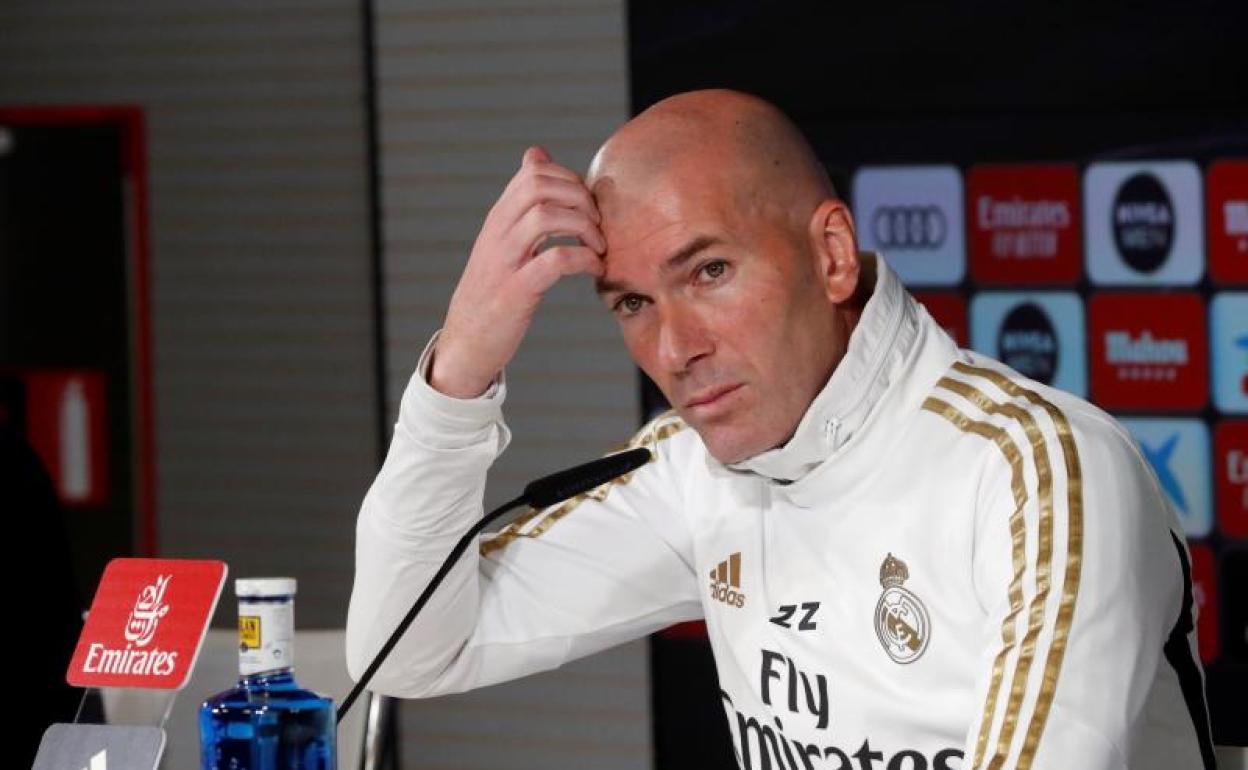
(807, 623)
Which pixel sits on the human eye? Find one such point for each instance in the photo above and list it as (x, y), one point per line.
(627, 305)
(712, 270)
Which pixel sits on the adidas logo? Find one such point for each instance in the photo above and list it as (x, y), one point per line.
(726, 579)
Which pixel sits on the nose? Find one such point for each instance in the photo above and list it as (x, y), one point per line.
(683, 339)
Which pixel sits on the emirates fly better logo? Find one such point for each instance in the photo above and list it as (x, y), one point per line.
(146, 623)
(1024, 224)
(140, 627)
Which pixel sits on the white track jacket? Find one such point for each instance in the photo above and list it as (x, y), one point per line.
(948, 566)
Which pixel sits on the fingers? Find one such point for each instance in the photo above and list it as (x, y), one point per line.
(528, 191)
(535, 155)
(545, 270)
(537, 160)
(547, 219)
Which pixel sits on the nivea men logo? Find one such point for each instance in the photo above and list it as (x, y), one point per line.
(909, 227)
(1028, 342)
(1039, 334)
(1143, 222)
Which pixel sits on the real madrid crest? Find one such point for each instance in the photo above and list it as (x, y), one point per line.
(901, 620)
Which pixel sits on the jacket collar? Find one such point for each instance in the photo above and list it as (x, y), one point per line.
(878, 348)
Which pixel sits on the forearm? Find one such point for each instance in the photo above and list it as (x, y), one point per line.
(427, 494)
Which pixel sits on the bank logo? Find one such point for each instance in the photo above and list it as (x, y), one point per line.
(901, 621)
(1023, 223)
(726, 582)
(1228, 322)
(1178, 451)
(1038, 334)
(1149, 351)
(1226, 191)
(913, 214)
(1145, 223)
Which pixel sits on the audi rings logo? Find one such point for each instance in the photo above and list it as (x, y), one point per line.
(909, 227)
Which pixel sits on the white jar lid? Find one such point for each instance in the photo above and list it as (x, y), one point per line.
(264, 587)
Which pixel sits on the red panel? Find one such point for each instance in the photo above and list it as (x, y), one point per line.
(146, 623)
(66, 423)
(948, 310)
(1230, 462)
(1205, 593)
(1023, 224)
(1226, 196)
(1148, 351)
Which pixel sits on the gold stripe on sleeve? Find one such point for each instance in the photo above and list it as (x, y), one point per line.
(1018, 537)
(1074, 553)
(1044, 560)
(649, 436)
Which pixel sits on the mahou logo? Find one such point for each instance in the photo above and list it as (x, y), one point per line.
(1023, 224)
(146, 623)
(1149, 351)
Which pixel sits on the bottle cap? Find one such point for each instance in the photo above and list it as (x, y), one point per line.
(264, 587)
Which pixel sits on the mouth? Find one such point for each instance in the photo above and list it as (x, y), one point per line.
(712, 397)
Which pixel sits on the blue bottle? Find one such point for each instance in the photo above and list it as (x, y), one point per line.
(267, 722)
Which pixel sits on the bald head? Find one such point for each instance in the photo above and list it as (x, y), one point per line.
(730, 264)
(719, 142)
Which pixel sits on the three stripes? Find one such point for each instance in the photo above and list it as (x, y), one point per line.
(1072, 506)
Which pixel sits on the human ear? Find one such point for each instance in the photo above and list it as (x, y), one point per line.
(836, 250)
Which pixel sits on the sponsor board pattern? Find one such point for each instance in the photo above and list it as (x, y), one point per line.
(1123, 282)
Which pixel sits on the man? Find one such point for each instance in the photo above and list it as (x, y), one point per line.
(907, 555)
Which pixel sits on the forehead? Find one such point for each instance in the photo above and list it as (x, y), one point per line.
(644, 223)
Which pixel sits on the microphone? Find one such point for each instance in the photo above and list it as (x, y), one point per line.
(541, 493)
(558, 487)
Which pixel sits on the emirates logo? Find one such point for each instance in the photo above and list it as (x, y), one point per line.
(149, 608)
